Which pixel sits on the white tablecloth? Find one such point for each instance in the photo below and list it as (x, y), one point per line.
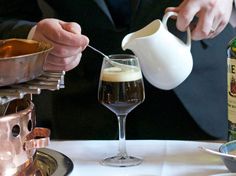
(161, 158)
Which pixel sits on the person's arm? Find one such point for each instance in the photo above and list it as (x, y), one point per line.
(212, 15)
(15, 28)
(18, 17)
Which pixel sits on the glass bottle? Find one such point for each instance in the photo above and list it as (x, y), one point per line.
(231, 90)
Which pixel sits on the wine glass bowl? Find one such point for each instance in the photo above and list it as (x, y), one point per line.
(121, 89)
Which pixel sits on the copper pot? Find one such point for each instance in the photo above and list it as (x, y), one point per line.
(19, 138)
(21, 60)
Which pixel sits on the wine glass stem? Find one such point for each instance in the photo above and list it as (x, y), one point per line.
(122, 144)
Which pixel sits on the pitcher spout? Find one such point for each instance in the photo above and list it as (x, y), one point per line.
(128, 41)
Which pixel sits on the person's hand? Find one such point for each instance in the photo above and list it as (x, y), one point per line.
(67, 40)
(213, 16)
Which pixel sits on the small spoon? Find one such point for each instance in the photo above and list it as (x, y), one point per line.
(106, 57)
(216, 152)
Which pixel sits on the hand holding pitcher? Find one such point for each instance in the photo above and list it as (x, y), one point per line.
(166, 61)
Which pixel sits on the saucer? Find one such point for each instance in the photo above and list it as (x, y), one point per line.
(50, 162)
(229, 148)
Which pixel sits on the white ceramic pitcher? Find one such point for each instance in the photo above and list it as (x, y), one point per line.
(166, 61)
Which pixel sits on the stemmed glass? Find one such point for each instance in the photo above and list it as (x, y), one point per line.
(121, 89)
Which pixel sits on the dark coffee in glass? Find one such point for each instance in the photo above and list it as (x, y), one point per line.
(121, 89)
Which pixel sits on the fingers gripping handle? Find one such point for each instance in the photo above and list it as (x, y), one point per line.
(164, 22)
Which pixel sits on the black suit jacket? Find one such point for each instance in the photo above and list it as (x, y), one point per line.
(196, 109)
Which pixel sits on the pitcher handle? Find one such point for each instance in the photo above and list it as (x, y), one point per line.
(164, 22)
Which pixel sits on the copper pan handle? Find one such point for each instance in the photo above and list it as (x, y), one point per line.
(38, 138)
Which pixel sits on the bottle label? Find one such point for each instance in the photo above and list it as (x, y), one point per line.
(231, 90)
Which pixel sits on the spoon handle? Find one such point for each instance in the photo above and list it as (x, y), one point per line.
(122, 66)
(98, 51)
(104, 55)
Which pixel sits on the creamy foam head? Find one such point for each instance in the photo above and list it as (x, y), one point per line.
(116, 74)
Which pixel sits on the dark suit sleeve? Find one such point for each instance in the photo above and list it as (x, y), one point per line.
(18, 17)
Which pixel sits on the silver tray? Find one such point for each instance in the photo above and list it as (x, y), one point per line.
(49, 162)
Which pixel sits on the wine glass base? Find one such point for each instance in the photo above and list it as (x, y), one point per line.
(121, 161)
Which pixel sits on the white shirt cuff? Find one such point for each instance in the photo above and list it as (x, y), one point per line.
(31, 33)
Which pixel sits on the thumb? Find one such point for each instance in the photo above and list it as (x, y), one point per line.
(71, 27)
(75, 29)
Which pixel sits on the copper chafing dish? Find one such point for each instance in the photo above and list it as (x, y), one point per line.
(19, 137)
(22, 144)
(21, 60)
